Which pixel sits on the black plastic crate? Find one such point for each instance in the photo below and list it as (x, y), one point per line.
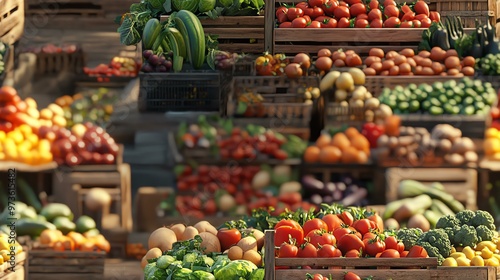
(185, 91)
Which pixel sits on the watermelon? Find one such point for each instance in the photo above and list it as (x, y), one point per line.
(206, 5)
(188, 5)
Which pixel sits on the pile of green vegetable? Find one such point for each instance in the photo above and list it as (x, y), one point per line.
(451, 35)
(466, 228)
(466, 97)
(489, 64)
(186, 261)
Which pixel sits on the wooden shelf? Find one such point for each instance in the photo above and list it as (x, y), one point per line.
(23, 167)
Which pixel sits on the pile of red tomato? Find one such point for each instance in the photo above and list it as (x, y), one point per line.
(339, 235)
(357, 14)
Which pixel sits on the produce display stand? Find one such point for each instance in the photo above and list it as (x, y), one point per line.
(459, 182)
(53, 63)
(12, 19)
(241, 34)
(19, 272)
(375, 84)
(378, 268)
(46, 263)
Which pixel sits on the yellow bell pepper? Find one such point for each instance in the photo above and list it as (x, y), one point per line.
(492, 262)
(486, 253)
(457, 255)
(463, 261)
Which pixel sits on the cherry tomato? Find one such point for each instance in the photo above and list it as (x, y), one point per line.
(342, 12)
(320, 237)
(347, 217)
(421, 8)
(376, 23)
(391, 11)
(314, 24)
(286, 24)
(317, 12)
(318, 276)
(307, 250)
(352, 254)
(294, 13)
(288, 251)
(406, 24)
(426, 22)
(373, 246)
(392, 22)
(374, 14)
(283, 233)
(400, 247)
(361, 23)
(334, 222)
(435, 16)
(417, 252)
(391, 242)
(316, 3)
(390, 253)
(308, 18)
(314, 224)
(349, 242)
(351, 276)
(228, 237)
(389, 2)
(341, 231)
(374, 4)
(416, 23)
(330, 6)
(408, 16)
(329, 251)
(357, 9)
(299, 22)
(329, 23)
(281, 14)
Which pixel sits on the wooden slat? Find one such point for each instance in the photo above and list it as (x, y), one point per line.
(69, 276)
(257, 21)
(67, 269)
(68, 254)
(371, 35)
(11, 20)
(65, 262)
(236, 33)
(362, 50)
(406, 274)
(242, 48)
(356, 262)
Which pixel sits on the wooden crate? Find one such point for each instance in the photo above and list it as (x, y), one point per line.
(240, 34)
(45, 264)
(378, 268)
(281, 95)
(11, 21)
(459, 182)
(64, 8)
(6, 272)
(53, 63)
(468, 10)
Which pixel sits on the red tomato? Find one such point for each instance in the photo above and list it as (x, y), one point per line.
(369, 235)
(420, 17)
(329, 23)
(316, 3)
(416, 23)
(344, 23)
(294, 13)
(374, 4)
(391, 11)
(435, 16)
(362, 16)
(320, 238)
(286, 24)
(401, 247)
(352, 2)
(391, 242)
(392, 22)
(426, 22)
(314, 224)
(322, 18)
(417, 252)
(349, 242)
(421, 8)
(228, 237)
(290, 223)
(357, 9)
(302, 5)
(343, 3)
(389, 2)
(390, 253)
(341, 12)
(314, 24)
(334, 222)
(330, 6)
(376, 23)
(308, 11)
(352, 254)
(374, 14)
(362, 226)
(341, 231)
(318, 276)
(361, 23)
(351, 276)
(408, 16)
(379, 223)
(373, 246)
(283, 233)
(495, 113)
(308, 18)
(288, 251)
(307, 250)
(347, 217)
(281, 14)
(406, 24)
(403, 254)
(405, 9)
(317, 12)
(299, 22)
(329, 251)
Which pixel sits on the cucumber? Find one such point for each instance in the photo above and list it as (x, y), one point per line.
(32, 228)
(28, 194)
(179, 39)
(54, 210)
(151, 31)
(191, 29)
(435, 110)
(439, 207)
(432, 217)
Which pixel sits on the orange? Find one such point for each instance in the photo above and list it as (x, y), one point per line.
(311, 154)
(323, 140)
(350, 155)
(361, 144)
(341, 141)
(330, 154)
(351, 132)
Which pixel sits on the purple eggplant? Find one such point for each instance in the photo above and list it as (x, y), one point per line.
(314, 186)
(316, 199)
(355, 197)
(328, 199)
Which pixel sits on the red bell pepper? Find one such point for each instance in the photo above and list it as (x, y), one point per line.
(372, 132)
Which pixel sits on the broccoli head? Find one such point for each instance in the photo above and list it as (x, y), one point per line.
(437, 238)
(483, 218)
(451, 232)
(466, 236)
(484, 233)
(432, 251)
(465, 216)
(448, 221)
(409, 236)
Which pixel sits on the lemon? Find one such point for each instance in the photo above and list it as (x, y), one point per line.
(457, 255)
(449, 261)
(463, 261)
(477, 261)
(469, 252)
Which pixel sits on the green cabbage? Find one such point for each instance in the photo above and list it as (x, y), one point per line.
(203, 275)
(236, 270)
(206, 5)
(189, 5)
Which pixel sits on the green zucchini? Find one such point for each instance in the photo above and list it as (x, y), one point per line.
(416, 205)
(432, 217)
(411, 188)
(194, 36)
(151, 31)
(439, 207)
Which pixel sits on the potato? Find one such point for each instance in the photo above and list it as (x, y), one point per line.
(178, 229)
(454, 159)
(204, 226)
(210, 243)
(235, 253)
(151, 254)
(189, 233)
(248, 243)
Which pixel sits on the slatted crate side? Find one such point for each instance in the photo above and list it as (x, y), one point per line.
(11, 21)
(468, 10)
(18, 273)
(459, 182)
(64, 8)
(43, 264)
